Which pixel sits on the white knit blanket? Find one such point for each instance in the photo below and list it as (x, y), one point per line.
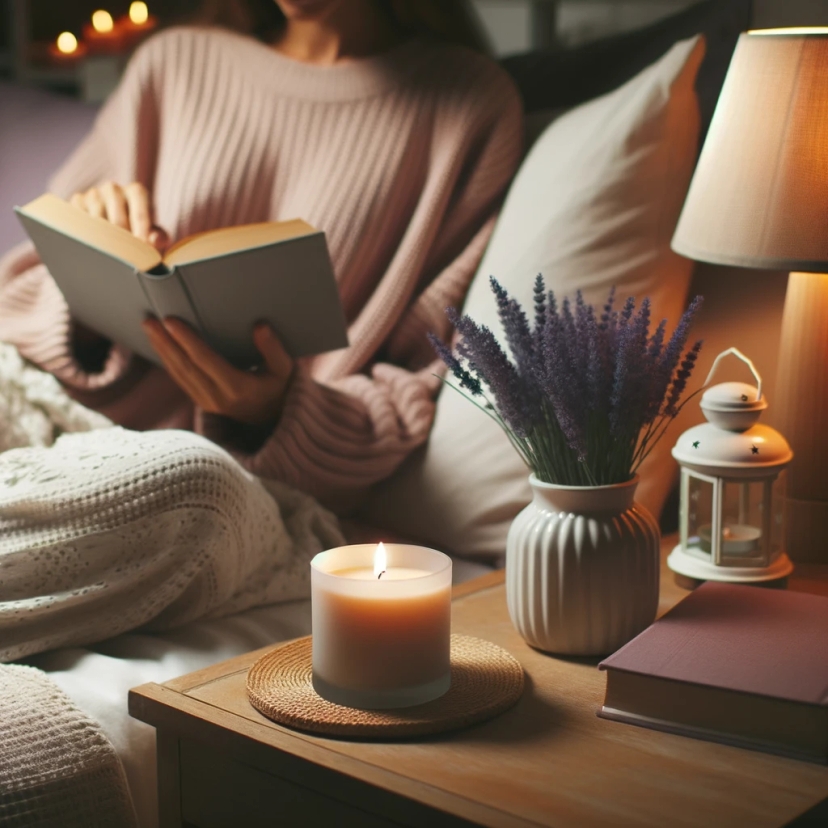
(103, 530)
(57, 768)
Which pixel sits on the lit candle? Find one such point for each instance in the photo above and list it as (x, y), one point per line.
(66, 49)
(102, 36)
(138, 23)
(381, 625)
(737, 538)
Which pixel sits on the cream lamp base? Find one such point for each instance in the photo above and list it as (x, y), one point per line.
(801, 414)
(691, 566)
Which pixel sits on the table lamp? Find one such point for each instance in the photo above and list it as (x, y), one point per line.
(759, 199)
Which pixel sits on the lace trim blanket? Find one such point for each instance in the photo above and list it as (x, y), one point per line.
(103, 530)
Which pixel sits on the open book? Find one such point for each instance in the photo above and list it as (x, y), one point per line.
(221, 282)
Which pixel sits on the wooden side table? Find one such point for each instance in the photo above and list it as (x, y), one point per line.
(548, 761)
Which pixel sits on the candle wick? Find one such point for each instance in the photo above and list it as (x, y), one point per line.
(381, 574)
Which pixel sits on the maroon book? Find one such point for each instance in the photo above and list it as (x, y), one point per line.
(742, 665)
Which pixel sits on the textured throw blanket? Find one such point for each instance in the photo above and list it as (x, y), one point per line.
(103, 530)
(57, 769)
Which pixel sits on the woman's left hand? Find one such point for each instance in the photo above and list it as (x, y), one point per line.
(213, 383)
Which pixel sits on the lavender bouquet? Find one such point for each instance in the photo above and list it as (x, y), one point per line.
(585, 397)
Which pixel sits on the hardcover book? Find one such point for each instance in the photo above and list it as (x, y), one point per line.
(746, 666)
(221, 282)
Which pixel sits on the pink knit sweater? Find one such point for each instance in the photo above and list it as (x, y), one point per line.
(401, 159)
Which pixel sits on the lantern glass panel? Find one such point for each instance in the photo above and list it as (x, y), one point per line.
(699, 506)
(745, 531)
(777, 522)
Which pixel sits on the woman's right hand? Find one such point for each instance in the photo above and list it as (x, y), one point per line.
(128, 207)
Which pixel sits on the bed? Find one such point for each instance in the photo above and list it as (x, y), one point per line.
(98, 677)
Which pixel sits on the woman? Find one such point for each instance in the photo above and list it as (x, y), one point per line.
(398, 147)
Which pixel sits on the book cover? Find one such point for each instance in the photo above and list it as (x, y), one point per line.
(222, 282)
(738, 664)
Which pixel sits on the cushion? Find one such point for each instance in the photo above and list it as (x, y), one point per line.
(593, 205)
(553, 79)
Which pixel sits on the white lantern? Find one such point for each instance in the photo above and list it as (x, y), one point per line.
(730, 523)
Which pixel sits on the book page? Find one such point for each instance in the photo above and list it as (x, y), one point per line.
(98, 233)
(214, 243)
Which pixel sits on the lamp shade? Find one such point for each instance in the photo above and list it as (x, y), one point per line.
(759, 196)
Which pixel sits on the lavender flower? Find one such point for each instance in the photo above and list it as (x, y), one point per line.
(631, 381)
(680, 380)
(540, 303)
(488, 361)
(671, 353)
(516, 328)
(467, 381)
(584, 397)
(607, 315)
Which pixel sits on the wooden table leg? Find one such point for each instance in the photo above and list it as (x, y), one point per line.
(169, 781)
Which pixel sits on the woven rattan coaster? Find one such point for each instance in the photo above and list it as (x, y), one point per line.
(485, 681)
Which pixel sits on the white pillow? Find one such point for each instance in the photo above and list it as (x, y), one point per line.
(593, 205)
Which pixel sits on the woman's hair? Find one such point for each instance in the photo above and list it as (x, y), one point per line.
(451, 20)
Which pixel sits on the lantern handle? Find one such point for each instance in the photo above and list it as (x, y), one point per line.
(737, 353)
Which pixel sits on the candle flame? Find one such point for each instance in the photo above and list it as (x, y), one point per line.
(380, 560)
(102, 21)
(138, 12)
(67, 43)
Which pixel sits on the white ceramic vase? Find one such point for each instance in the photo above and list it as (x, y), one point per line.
(582, 568)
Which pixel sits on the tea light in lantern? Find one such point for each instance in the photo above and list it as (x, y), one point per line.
(737, 539)
(102, 36)
(138, 23)
(381, 625)
(66, 49)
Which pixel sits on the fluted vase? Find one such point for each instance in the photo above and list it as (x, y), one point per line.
(582, 568)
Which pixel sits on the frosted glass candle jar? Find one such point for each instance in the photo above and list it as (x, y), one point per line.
(381, 641)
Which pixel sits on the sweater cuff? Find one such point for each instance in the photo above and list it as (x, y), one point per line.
(317, 423)
(34, 317)
(334, 442)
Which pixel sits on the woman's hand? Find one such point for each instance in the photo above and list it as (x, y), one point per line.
(212, 383)
(128, 207)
